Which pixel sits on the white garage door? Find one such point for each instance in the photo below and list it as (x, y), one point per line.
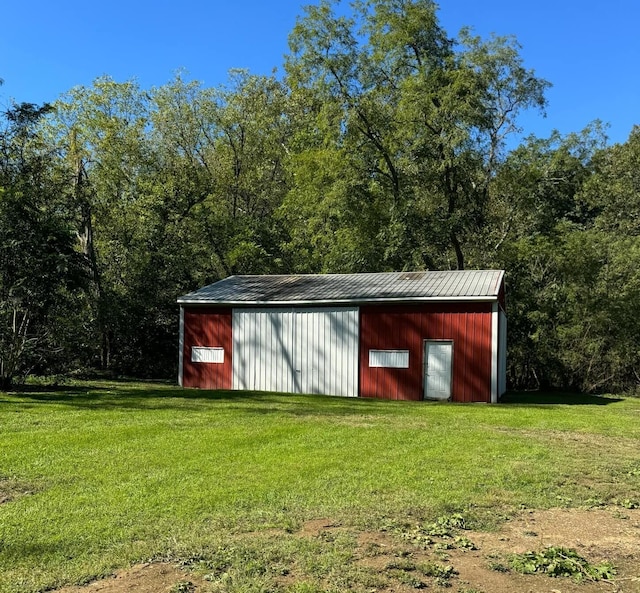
(298, 350)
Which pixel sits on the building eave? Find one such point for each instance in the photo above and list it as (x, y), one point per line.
(309, 303)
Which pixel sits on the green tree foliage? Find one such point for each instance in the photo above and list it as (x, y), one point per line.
(572, 282)
(100, 133)
(222, 153)
(39, 268)
(170, 189)
(389, 145)
(416, 122)
(614, 190)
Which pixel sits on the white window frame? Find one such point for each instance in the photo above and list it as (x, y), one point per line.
(207, 354)
(390, 359)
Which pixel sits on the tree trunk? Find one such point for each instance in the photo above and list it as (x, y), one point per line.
(85, 237)
(458, 249)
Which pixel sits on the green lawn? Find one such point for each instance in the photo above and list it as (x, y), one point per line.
(100, 475)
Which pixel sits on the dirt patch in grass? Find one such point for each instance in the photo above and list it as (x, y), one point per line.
(598, 535)
(11, 489)
(464, 561)
(589, 441)
(144, 578)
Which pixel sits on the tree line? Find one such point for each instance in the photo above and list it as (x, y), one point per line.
(387, 145)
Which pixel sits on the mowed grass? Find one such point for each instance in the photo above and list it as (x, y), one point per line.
(97, 476)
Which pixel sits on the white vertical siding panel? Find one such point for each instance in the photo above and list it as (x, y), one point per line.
(280, 373)
(264, 344)
(276, 324)
(329, 369)
(291, 377)
(310, 350)
(274, 372)
(344, 362)
(307, 361)
(297, 354)
(238, 372)
(253, 329)
(322, 359)
(313, 355)
(339, 330)
(271, 364)
(349, 361)
(494, 353)
(258, 348)
(331, 372)
(321, 356)
(276, 329)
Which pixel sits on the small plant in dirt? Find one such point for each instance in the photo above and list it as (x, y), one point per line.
(628, 503)
(441, 534)
(409, 573)
(497, 566)
(305, 587)
(418, 537)
(446, 525)
(443, 546)
(411, 580)
(464, 543)
(594, 503)
(561, 562)
(372, 549)
(183, 587)
(441, 573)
(564, 501)
(401, 564)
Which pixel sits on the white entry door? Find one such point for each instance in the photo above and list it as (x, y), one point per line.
(438, 376)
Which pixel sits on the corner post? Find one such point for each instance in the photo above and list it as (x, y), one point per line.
(181, 347)
(494, 351)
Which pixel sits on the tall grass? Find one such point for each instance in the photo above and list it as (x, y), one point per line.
(100, 475)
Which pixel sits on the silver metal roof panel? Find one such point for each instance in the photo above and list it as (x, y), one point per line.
(450, 285)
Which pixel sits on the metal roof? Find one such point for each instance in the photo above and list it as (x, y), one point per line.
(452, 285)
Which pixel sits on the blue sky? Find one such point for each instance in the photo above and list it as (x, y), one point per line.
(589, 51)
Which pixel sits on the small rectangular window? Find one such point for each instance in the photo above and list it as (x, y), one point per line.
(207, 354)
(394, 359)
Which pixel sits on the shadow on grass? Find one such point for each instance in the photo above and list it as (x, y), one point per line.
(142, 396)
(27, 389)
(557, 398)
(156, 396)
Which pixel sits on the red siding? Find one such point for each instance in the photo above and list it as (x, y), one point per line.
(406, 327)
(207, 327)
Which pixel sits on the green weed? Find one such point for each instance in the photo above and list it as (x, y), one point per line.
(441, 534)
(497, 566)
(441, 573)
(183, 587)
(561, 562)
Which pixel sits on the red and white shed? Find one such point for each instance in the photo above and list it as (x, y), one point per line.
(397, 335)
